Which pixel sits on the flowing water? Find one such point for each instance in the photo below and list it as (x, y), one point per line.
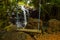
(25, 13)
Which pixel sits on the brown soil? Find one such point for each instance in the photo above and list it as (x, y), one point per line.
(48, 37)
(16, 36)
(33, 23)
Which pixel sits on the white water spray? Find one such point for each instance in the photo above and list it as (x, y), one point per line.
(18, 22)
(25, 15)
(24, 11)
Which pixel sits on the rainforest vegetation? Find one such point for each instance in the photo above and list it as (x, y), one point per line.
(42, 13)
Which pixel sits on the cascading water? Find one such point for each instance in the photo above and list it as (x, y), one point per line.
(18, 22)
(25, 14)
(25, 18)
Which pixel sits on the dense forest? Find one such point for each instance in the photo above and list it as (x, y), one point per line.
(44, 14)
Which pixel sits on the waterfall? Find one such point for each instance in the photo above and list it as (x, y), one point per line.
(25, 13)
(25, 18)
(19, 24)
